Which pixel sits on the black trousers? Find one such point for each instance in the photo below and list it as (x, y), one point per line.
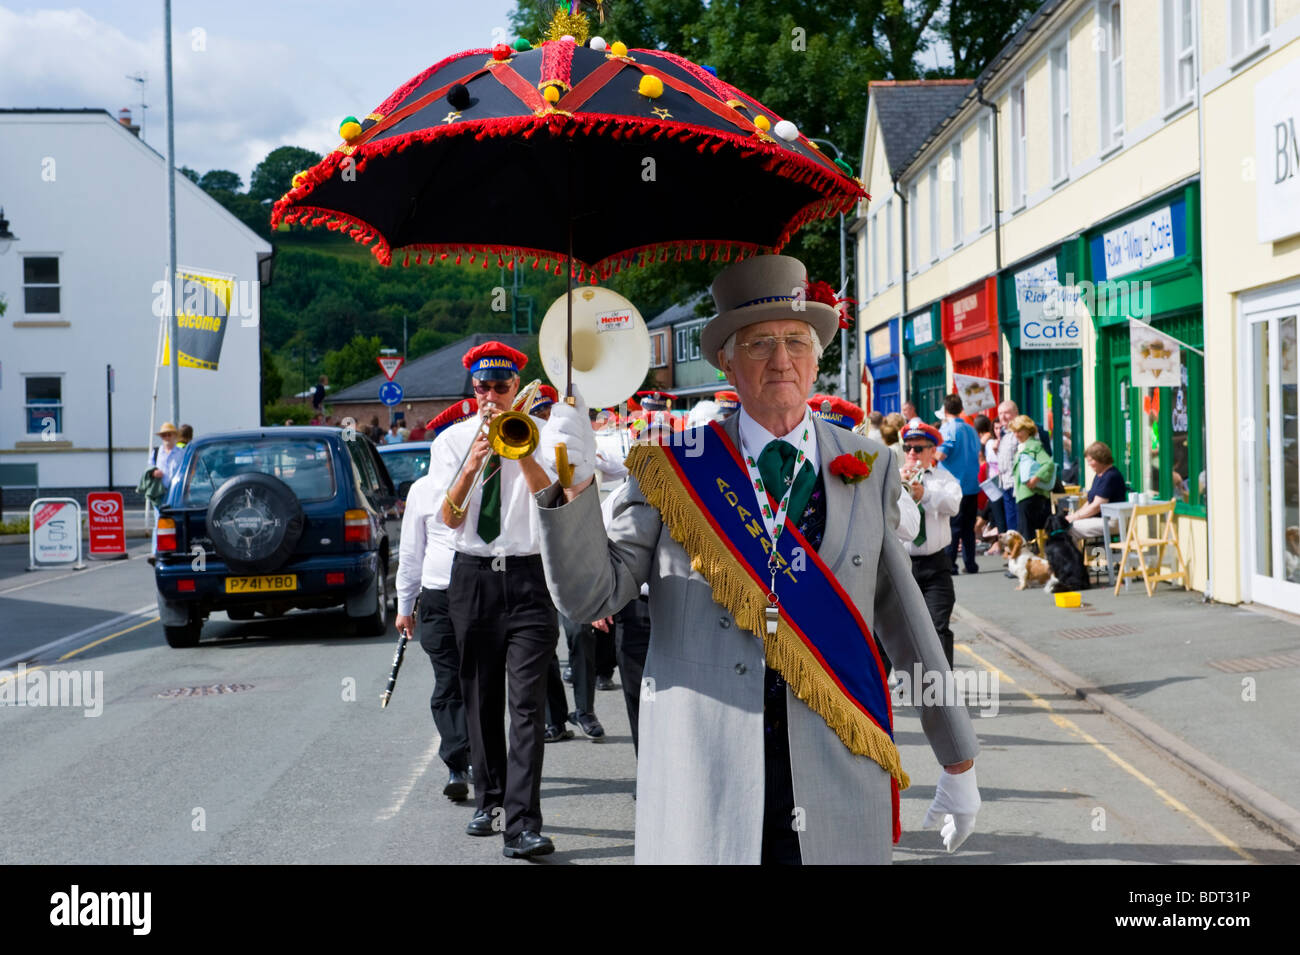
(557, 701)
(581, 640)
(1031, 515)
(631, 643)
(963, 532)
(438, 638)
(506, 630)
(933, 574)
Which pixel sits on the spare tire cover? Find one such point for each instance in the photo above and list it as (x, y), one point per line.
(255, 522)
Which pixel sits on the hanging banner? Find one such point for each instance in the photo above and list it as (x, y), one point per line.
(976, 393)
(202, 310)
(1153, 357)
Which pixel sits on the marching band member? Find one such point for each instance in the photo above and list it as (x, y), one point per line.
(938, 497)
(845, 414)
(505, 623)
(424, 572)
(768, 546)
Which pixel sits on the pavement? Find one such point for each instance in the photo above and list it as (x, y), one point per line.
(1214, 687)
(135, 526)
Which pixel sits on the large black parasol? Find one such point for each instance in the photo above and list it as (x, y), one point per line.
(610, 156)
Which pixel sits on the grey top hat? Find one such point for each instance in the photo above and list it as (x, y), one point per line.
(763, 289)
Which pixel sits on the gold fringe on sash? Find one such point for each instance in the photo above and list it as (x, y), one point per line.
(735, 590)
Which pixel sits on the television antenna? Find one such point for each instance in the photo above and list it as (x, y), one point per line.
(141, 79)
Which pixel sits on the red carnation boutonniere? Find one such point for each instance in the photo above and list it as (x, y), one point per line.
(851, 468)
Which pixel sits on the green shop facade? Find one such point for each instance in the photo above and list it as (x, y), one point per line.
(1044, 331)
(1145, 264)
(926, 361)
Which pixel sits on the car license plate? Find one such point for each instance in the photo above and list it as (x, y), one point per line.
(261, 585)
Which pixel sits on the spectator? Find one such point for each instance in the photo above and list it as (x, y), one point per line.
(329, 421)
(373, 431)
(1108, 486)
(874, 420)
(418, 433)
(394, 435)
(1008, 448)
(889, 438)
(960, 454)
(318, 396)
(992, 511)
(909, 411)
(167, 456)
(1035, 474)
(186, 436)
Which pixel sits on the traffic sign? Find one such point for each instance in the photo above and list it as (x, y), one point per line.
(106, 515)
(390, 364)
(390, 393)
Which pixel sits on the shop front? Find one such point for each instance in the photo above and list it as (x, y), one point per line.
(1044, 326)
(1145, 274)
(926, 361)
(970, 332)
(881, 384)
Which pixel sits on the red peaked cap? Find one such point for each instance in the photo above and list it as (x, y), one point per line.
(494, 350)
(916, 428)
(459, 411)
(839, 406)
(547, 393)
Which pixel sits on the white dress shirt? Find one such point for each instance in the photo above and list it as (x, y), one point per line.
(909, 517)
(519, 527)
(424, 560)
(941, 501)
(754, 438)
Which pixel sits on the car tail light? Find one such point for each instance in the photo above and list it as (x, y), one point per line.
(356, 527)
(334, 578)
(185, 586)
(166, 534)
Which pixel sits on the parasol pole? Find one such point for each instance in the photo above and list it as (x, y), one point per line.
(563, 470)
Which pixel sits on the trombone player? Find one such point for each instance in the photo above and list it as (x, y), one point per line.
(506, 626)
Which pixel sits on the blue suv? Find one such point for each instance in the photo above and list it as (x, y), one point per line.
(266, 521)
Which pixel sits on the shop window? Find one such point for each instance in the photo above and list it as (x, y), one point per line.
(41, 285)
(44, 407)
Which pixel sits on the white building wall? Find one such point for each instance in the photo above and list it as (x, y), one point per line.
(80, 186)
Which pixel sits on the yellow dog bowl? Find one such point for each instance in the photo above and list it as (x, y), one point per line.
(1071, 598)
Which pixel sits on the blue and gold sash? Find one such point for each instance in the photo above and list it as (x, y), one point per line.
(822, 647)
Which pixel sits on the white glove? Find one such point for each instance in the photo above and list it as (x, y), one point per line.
(570, 426)
(957, 799)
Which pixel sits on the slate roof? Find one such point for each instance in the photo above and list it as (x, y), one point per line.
(908, 110)
(679, 312)
(437, 375)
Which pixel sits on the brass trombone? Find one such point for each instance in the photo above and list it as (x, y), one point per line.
(511, 434)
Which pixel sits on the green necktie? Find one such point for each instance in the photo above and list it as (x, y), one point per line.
(775, 465)
(489, 512)
(919, 539)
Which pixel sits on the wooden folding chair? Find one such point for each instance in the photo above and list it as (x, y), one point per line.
(1137, 543)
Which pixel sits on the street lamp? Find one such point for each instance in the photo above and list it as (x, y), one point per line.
(7, 238)
(844, 280)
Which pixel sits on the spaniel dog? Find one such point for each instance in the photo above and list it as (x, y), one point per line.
(1027, 568)
(1063, 557)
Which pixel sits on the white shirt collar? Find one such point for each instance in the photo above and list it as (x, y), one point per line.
(754, 437)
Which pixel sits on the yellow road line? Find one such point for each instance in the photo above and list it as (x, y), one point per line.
(95, 643)
(1071, 727)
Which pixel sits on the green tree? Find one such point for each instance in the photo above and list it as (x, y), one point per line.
(189, 174)
(272, 381)
(354, 362)
(220, 180)
(273, 176)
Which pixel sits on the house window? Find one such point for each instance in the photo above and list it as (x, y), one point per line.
(1019, 190)
(44, 409)
(1112, 75)
(1179, 43)
(658, 350)
(958, 228)
(912, 219)
(40, 285)
(873, 272)
(1060, 113)
(934, 213)
(1248, 23)
(986, 172)
(688, 343)
(890, 274)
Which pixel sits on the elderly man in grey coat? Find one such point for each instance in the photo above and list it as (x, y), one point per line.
(766, 733)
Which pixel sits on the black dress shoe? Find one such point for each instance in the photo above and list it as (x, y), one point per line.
(528, 844)
(567, 675)
(589, 725)
(606, 683)
(457, 788)
(555, 733)
(480, 825)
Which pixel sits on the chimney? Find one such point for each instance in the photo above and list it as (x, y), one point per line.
(124, 117)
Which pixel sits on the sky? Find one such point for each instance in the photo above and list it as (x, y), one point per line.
(247, 76)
